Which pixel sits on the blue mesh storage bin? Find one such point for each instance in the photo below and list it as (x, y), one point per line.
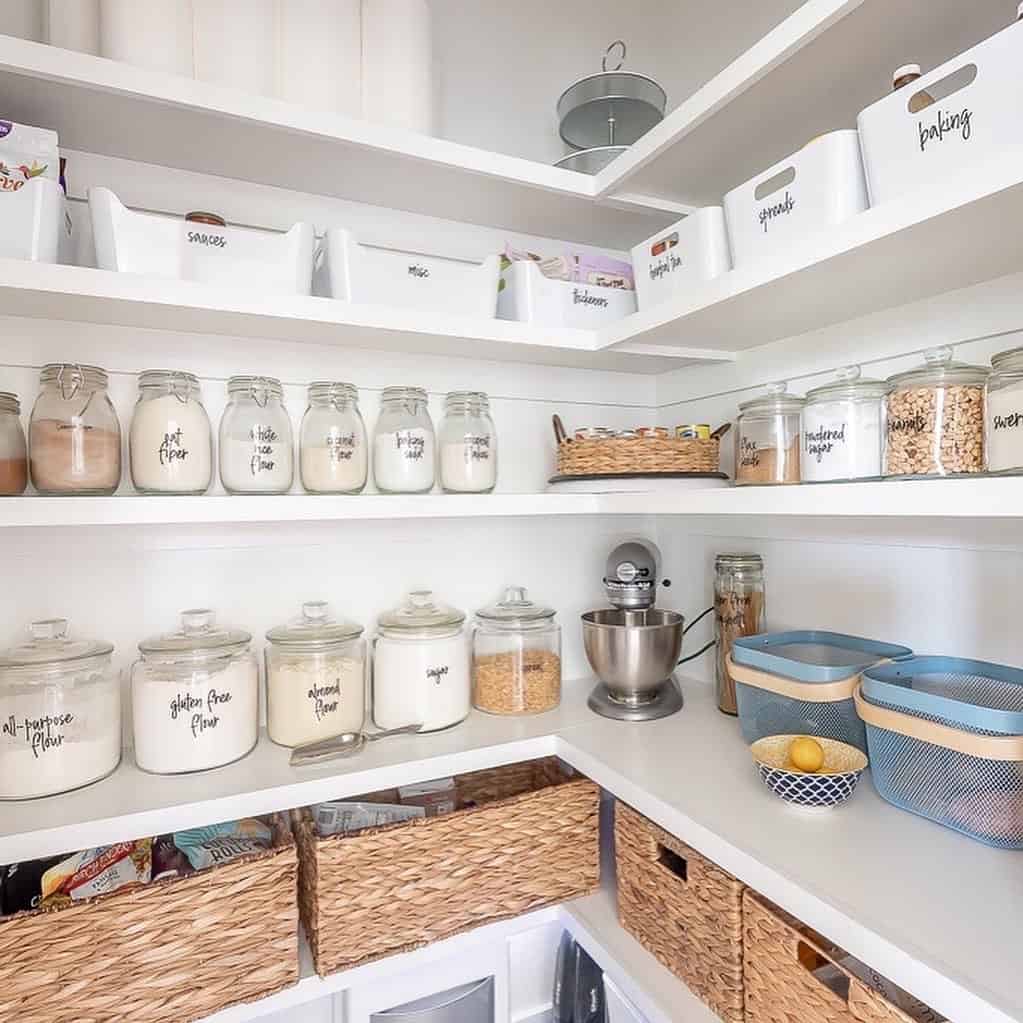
(946, 742)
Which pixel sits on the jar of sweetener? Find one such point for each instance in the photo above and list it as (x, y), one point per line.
(468, 444)
(1003, 412)
(333, 456)
(404, 447)
(256, 448)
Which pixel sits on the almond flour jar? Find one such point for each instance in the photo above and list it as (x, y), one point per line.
(767, 438)
(1003, 412)
(334, 457)
(13, 450)
(257, 454)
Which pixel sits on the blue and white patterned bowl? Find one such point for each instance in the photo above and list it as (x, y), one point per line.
(834, 783)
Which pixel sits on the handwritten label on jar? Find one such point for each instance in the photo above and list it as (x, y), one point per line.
(1010, 422)
(779, 209)
(263, 439)
(822, 442)
(411, 444)
(202, 713)
(668, 265)
(748, 452)
(477, 447)
(436, 675)
(172, 448)
(581, 296)
(325, 699)
(215, 241)
(907, 424)
(41, 734)
(946, 125)
(340, 446)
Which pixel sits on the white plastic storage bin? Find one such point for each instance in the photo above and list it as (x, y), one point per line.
(693, 249)
(36, 224)
(149, 243)
(975, 115)
(368, 274)
(529, 297)
(803, 195)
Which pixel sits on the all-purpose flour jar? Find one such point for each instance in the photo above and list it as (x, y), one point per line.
(195, 697)
(60, 713)
(1003, 412)
(257, 453)
(468, 444)
(421, 665)
(404, 443)
(334, 457)
(171, 443)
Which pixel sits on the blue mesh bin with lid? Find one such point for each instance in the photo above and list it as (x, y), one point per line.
(802, 682)
(946, 742)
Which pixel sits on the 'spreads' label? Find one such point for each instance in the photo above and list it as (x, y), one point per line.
(778, 209)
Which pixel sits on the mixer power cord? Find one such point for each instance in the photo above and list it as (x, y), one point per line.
(702, 649)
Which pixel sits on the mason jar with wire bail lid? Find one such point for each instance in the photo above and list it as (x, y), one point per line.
(74, 435)
(195, 697)
(257, 453)
(404, 443)
(1003, 412)
(739, 610)
(516, 656)
(767, 438)
(13, 449)
(420, 665)
(333, 456)
(315, 677)
(468, 444)
(935, 418)
(60, 713)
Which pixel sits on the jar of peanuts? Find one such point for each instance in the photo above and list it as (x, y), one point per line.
(516, 656)
(935, 418)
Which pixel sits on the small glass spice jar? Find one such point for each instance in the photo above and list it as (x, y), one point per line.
(257, 453)
(516, 656)
(1003, 412)
(404, 443)
(334, 458)
(315, 677)
(468, 444)
(13, 450)
(767, 438)
(739, 610)
(170, 444)
(74, 435)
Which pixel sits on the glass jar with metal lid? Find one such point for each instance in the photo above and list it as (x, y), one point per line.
(170, 445)
(13, 449)
(315, 677)
(1003, 412)
(257, 453)
(195, 697)
(74, 434)
(843, 428)
(421, 665)
(767, 438)
(516, 656)
(333, 455)
(739, 610)
(60, 713)
(935, 418)
(468, 444)
(404, 443)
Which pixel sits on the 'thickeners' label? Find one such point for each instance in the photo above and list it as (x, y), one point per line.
(664, 266)
(748, 453)
(946, 125)
(436, 675)
(583, 296)
(411, 445)
(778, 209)
(41, 734)
(203, 715)
(172, 448)
(340, 447)
(823, 441)
(908, 424)
(325, 699)
(263, 439)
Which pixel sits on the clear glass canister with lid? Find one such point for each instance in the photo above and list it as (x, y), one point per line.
(195, 697)
(516, 656)
(420, 665)
(739, 610)
(170, 445)
(60, 713)
(843, 428)
(13, 449)
(468, 444)
(935, 418)
(257, 454)
(333, 456)
(767, 438)
(74, 435)
(315, 677)
(403, 442)
(1003, 412)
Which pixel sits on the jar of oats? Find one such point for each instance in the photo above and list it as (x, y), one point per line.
(935, 418)
(516, 656)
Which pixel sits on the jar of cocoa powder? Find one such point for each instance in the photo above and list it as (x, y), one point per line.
(13, 453)
(74, 435)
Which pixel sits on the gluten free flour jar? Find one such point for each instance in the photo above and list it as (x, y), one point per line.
(1003, 414)
(257, 454)
(60, 713)
(195, 697)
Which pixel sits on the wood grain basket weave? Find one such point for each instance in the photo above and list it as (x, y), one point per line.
(683, 909)
(779, 954)
(168, 952)
(531, 840)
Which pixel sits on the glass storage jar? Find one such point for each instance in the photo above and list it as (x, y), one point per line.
(334, 458)
(315, 677)
(256, 448)
(13, 450)
(170, 444)
(468, 444)
(1003, 412)
(843, 429)
(420, 665)
(767, 438)
(739, 610)
(403, 443)
(935, 418)
(60, 713)
(74, 436)
(195, 697)
(516, 656)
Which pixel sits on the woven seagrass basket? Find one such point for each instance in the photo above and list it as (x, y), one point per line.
(172, 951)
(531, 839)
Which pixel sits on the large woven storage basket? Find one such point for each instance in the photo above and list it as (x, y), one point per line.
(779, 957)
(683, 909)
(531, 839)
(169, 952)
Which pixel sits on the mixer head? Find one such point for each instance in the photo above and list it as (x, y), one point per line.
(630, 577)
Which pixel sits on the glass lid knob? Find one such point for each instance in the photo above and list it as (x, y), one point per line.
(938, 356)
(197, 620)
(847, 374)
(314, 610)
(49, 628)
(778, 388)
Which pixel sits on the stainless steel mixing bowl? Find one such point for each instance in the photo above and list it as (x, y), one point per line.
(633, 652)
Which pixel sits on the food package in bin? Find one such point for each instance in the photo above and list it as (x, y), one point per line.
(26, 153)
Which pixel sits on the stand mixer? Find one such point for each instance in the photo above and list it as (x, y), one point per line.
(632, 646)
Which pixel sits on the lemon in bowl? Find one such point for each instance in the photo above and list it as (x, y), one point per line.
(785, 762)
